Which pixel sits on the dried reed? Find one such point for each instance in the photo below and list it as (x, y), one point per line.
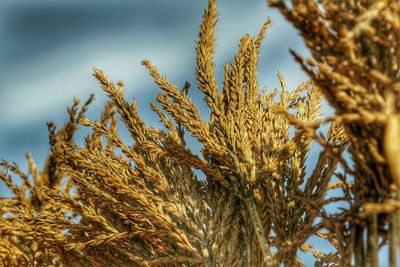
(110, 204)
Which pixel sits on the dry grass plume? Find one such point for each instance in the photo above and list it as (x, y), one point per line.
(107, 203)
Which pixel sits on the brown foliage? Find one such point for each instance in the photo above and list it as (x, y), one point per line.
(355, 47)
(107, 203)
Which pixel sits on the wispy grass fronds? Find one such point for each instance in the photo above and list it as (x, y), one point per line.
(106, 203)
(355, 64)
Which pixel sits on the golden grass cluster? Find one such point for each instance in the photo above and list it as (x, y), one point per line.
(107, 203)
(355, 47)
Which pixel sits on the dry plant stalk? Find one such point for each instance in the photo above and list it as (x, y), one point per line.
(355, 47)
(107, 203)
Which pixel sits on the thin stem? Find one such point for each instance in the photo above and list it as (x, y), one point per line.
(373, 241)
(359, 252)
(393, 239)
(250, 203)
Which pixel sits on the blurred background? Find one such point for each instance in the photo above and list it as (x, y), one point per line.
(48, 49)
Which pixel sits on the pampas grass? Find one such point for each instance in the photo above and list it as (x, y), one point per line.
(106, 203)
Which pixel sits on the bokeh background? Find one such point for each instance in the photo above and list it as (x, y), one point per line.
(48, 49)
